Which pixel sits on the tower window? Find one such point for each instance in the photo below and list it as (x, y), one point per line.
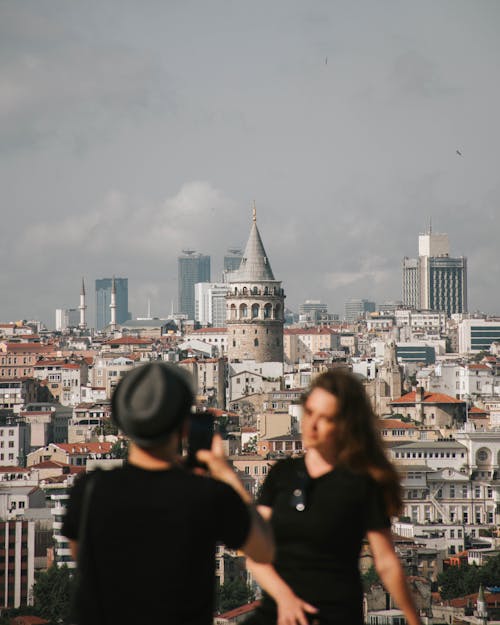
(256, 342)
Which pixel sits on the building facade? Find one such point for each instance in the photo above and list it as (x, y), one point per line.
(255, 304)
(476, 335)
(210, 303)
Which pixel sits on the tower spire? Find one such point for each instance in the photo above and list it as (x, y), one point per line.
(254, 213)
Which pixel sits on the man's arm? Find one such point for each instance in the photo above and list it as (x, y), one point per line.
(259, 544)
(73, 547)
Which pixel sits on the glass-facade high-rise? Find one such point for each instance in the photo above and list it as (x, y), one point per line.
(103, 301)
(232, 262)
(193, 267)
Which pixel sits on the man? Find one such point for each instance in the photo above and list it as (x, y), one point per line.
(147, 532)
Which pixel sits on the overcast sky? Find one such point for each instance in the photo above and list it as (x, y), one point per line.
(132, 130)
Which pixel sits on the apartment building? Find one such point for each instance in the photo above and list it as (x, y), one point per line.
(17, 570)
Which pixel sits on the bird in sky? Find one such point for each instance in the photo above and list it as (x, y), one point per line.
(458, 152)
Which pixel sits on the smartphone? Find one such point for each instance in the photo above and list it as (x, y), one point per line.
(201, 431)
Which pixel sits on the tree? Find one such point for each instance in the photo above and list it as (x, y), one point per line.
(119, 449)
(233, 594)
(464, 580)
(370, 577)
(106, 427)
(52, 592)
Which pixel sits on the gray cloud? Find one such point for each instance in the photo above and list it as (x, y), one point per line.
(128, 133)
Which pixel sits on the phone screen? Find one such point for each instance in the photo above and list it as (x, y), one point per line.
(201, 431)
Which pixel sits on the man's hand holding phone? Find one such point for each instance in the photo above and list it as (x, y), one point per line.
(218, 467)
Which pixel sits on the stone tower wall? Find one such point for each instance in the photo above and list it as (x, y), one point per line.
(255, 316)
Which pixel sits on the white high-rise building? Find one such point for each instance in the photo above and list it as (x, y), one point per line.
(210, 303)
(434, 280)
(67, 318)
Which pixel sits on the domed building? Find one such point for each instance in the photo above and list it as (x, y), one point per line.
(255, 306)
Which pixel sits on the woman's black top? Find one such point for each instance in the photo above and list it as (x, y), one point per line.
(318, 546)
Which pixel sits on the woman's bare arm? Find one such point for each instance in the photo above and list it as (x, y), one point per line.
(388, 566)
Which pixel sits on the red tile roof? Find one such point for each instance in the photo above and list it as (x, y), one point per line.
(476, 412)
(428, 398)
(128, 340)
(396, 424)
(467, 600)
(10, 469)
(49, 464)
(56, 363)
(317, 330)
(82, 448)
(243, 609)
(28, 620)
(29, 347)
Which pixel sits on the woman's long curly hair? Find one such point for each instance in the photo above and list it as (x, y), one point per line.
(358, 443)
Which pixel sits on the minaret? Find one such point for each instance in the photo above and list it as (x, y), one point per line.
(482, 606)
(82, 308)
(255, 305)
(112, 325)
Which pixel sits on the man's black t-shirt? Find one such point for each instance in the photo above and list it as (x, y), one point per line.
(150, 544)
(318, 548)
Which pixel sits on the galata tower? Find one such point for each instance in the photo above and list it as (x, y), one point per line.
(255, 306)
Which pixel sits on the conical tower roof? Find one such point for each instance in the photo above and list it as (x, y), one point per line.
(255, 265)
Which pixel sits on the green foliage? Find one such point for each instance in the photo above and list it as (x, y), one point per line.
(370, 578)
(464, 580)
(107, 427)
(119, 449)
(479, 356)
(233, 594)
(52, 592)
(222, 425)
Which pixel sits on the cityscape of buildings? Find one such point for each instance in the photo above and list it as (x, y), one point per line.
(430, 368)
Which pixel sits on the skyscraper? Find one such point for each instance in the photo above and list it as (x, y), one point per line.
(193, 267)
(232, 262)
(435, 281)
(103, 287)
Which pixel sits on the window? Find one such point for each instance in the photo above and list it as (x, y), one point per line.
(256, 469)
(452, 491)
(247, 470)
(477, 492)
(464, 491)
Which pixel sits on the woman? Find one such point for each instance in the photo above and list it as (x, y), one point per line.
(321, 508)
